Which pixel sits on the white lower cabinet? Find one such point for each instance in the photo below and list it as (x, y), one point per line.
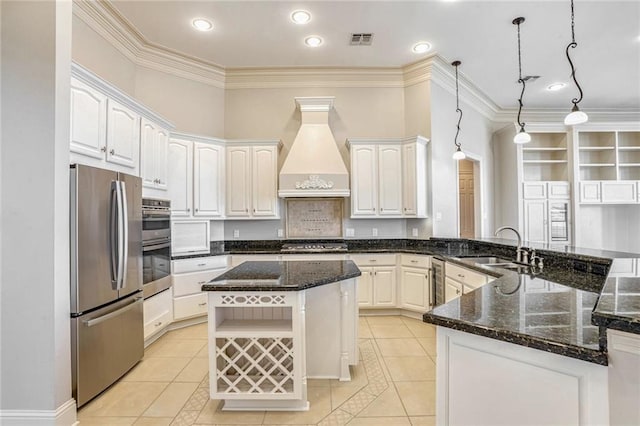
(452, 289)
(157, 313)
(376, 287)
(190, 236)
(188, 277)
(415, 282)
(459, 280)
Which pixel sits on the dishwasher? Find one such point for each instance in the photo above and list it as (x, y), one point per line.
(437, 292)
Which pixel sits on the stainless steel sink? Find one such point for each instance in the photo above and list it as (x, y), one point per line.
(490, 260)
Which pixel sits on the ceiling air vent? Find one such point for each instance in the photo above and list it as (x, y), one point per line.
(361, 39)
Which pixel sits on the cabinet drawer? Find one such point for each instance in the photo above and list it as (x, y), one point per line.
(190, 306)
(465, 276)
(559, 190)
(534, 190)
(415, 261)
(157, 313)
(619, 192)
(184, 284)
(198, 264)
(373, 260)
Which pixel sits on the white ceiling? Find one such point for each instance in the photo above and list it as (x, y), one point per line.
(479, 33)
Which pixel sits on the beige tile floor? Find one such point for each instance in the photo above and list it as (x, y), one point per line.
(393, 384)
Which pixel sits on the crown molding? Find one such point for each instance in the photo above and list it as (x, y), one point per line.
(104, 19)
(289, 77)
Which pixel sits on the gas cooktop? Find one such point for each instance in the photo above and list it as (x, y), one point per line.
(314, 247)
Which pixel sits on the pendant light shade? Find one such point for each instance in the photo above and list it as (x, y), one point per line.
(575, 116)
(458, 154)
(522, 136)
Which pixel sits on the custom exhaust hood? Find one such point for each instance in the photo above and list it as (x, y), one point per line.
(314, 166)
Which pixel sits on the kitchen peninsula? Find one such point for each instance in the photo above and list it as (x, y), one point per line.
(272, 325)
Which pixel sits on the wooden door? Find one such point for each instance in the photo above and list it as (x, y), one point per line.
(238, 181)
(123, 135)
(364, 178)
(390, 180)
(265, 181)
(207, 180)
(179, 177)
(466, 192)
(88, 129)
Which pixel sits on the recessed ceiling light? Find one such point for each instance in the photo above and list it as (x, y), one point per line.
(555, 87)
(421, 47)
(313, 41)
(300, 17)
(202, 24)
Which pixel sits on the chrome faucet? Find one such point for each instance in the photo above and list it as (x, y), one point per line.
(519, 250)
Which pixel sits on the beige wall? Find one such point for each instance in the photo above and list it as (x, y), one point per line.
(417, 109)
(475, 137)
(506, 178)
(272, 114)
(95, 53)
(191, 106)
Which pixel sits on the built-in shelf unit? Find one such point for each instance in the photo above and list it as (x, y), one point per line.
(546, 158)
(609, 155)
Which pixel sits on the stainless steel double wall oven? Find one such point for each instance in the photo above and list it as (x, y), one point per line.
(156, 246)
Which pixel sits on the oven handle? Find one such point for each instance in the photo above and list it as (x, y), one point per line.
(150, 212)
(156, 246)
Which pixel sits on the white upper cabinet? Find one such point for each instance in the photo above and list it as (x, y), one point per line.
(536, 223)
(196, 177)
(390, 180)
(208, 180)
(112, 131)
(123, 135)
(388, 177)
(252, 179)
(179, 177)
(153, 155)
(88, 121)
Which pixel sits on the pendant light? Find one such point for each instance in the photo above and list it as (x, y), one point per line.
(575, 116)
(522, 136)
(458, 155)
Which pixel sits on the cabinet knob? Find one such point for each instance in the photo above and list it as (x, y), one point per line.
(196, 210)
(112, 152)
(202, 304)
(103, 149)
(158, 324)
(188, 210)
(457, 291)
(461, 276)
(246, 210)
(414, 261)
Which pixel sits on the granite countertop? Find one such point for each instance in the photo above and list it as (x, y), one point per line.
(283, 275)
(564, 310)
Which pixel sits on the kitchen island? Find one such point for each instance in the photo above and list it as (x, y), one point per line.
(273, 325)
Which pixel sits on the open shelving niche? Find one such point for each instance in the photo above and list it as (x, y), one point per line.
(609, 155)
(546, 157)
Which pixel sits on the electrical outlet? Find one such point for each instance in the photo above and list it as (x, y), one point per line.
(280, 233)
(414, 232)
(236, 233)
(374, 232)
(438, 215)
(351, 232)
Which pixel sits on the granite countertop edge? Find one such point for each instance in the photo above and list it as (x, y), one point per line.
(261, 288)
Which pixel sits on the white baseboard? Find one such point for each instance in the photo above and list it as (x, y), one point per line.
(65, 415)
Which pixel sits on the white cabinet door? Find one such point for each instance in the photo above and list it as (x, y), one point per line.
(535, 221)
(390, 180)
(180, 177)
(238, 181)
(190, 237)
(409, 180)
(621, 192)
(123, 135)
(534, 190)
(265, 181)
(365, 287)
(384, 287)
(559, 190)
(148, 137)
(364, 181)
(590, 192)
(161, 147)
(414, 289)
(88, 129)
(452, 289)
(208, 185)
(157, 313)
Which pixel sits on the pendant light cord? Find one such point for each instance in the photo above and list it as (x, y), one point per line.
(518, 21)
(458, 110)
(573, 45)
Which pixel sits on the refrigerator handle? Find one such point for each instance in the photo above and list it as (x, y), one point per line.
(120, 226)
(96, 321)
(114, 248)
(125, 235)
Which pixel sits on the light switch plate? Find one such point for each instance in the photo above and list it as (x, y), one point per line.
(374, 232)
(351, 232)
(280, 233)
(414, 232)
(236, 233)
(438, 215)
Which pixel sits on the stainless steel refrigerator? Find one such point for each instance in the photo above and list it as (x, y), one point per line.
(106, 278)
